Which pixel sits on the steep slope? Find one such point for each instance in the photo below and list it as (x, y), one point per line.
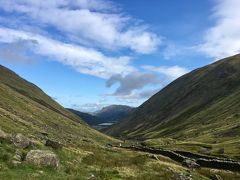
(27, 109)
(203, 105)
(113, 113)
(88, 118)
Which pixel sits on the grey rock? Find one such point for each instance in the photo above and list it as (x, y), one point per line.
(42, 158)
(21, 141)
(153, 156)
(190, 163)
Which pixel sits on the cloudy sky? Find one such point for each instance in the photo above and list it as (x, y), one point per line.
(91, 53)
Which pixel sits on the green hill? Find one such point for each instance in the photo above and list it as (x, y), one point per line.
(202, 106)
(27, 109)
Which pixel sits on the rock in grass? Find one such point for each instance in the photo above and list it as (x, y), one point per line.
(181, 176)
(3, 135)
(53, 144)
(153, 156)
(42, 158)
(190, 163)
(21, 141)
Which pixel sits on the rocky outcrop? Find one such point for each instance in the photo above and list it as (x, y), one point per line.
(42, 158)
(20, 141)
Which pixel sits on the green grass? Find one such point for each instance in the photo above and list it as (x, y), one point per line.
(82, 163)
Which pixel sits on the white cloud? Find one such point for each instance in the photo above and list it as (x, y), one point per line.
(89, 107)
(172, 72)
(223, 39)
(16, 52)
(131, 82)
(90, 21)
(84, 60)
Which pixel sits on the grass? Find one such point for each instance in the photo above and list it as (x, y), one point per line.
(102, 163)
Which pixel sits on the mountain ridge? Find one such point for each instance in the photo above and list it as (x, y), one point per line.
(108, 114)
(171, 110)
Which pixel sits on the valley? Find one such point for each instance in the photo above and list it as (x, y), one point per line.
(119, 90)
(105, 117)
(39, 139)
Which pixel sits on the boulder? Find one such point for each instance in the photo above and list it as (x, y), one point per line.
(3, 135)
(42, 158)
(53, 144)
(21, 141)
(190, 163)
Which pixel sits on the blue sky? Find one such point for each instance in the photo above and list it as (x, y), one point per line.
(87, 54)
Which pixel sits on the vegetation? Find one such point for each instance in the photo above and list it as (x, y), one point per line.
(26, 109)
(200, 111)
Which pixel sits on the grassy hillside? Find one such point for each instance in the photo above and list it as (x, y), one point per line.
(203, 106)
(26, 109)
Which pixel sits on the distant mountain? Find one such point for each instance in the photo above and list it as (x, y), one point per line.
(87, 117)
(203, 105)
(114, 113)
(109, 114)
